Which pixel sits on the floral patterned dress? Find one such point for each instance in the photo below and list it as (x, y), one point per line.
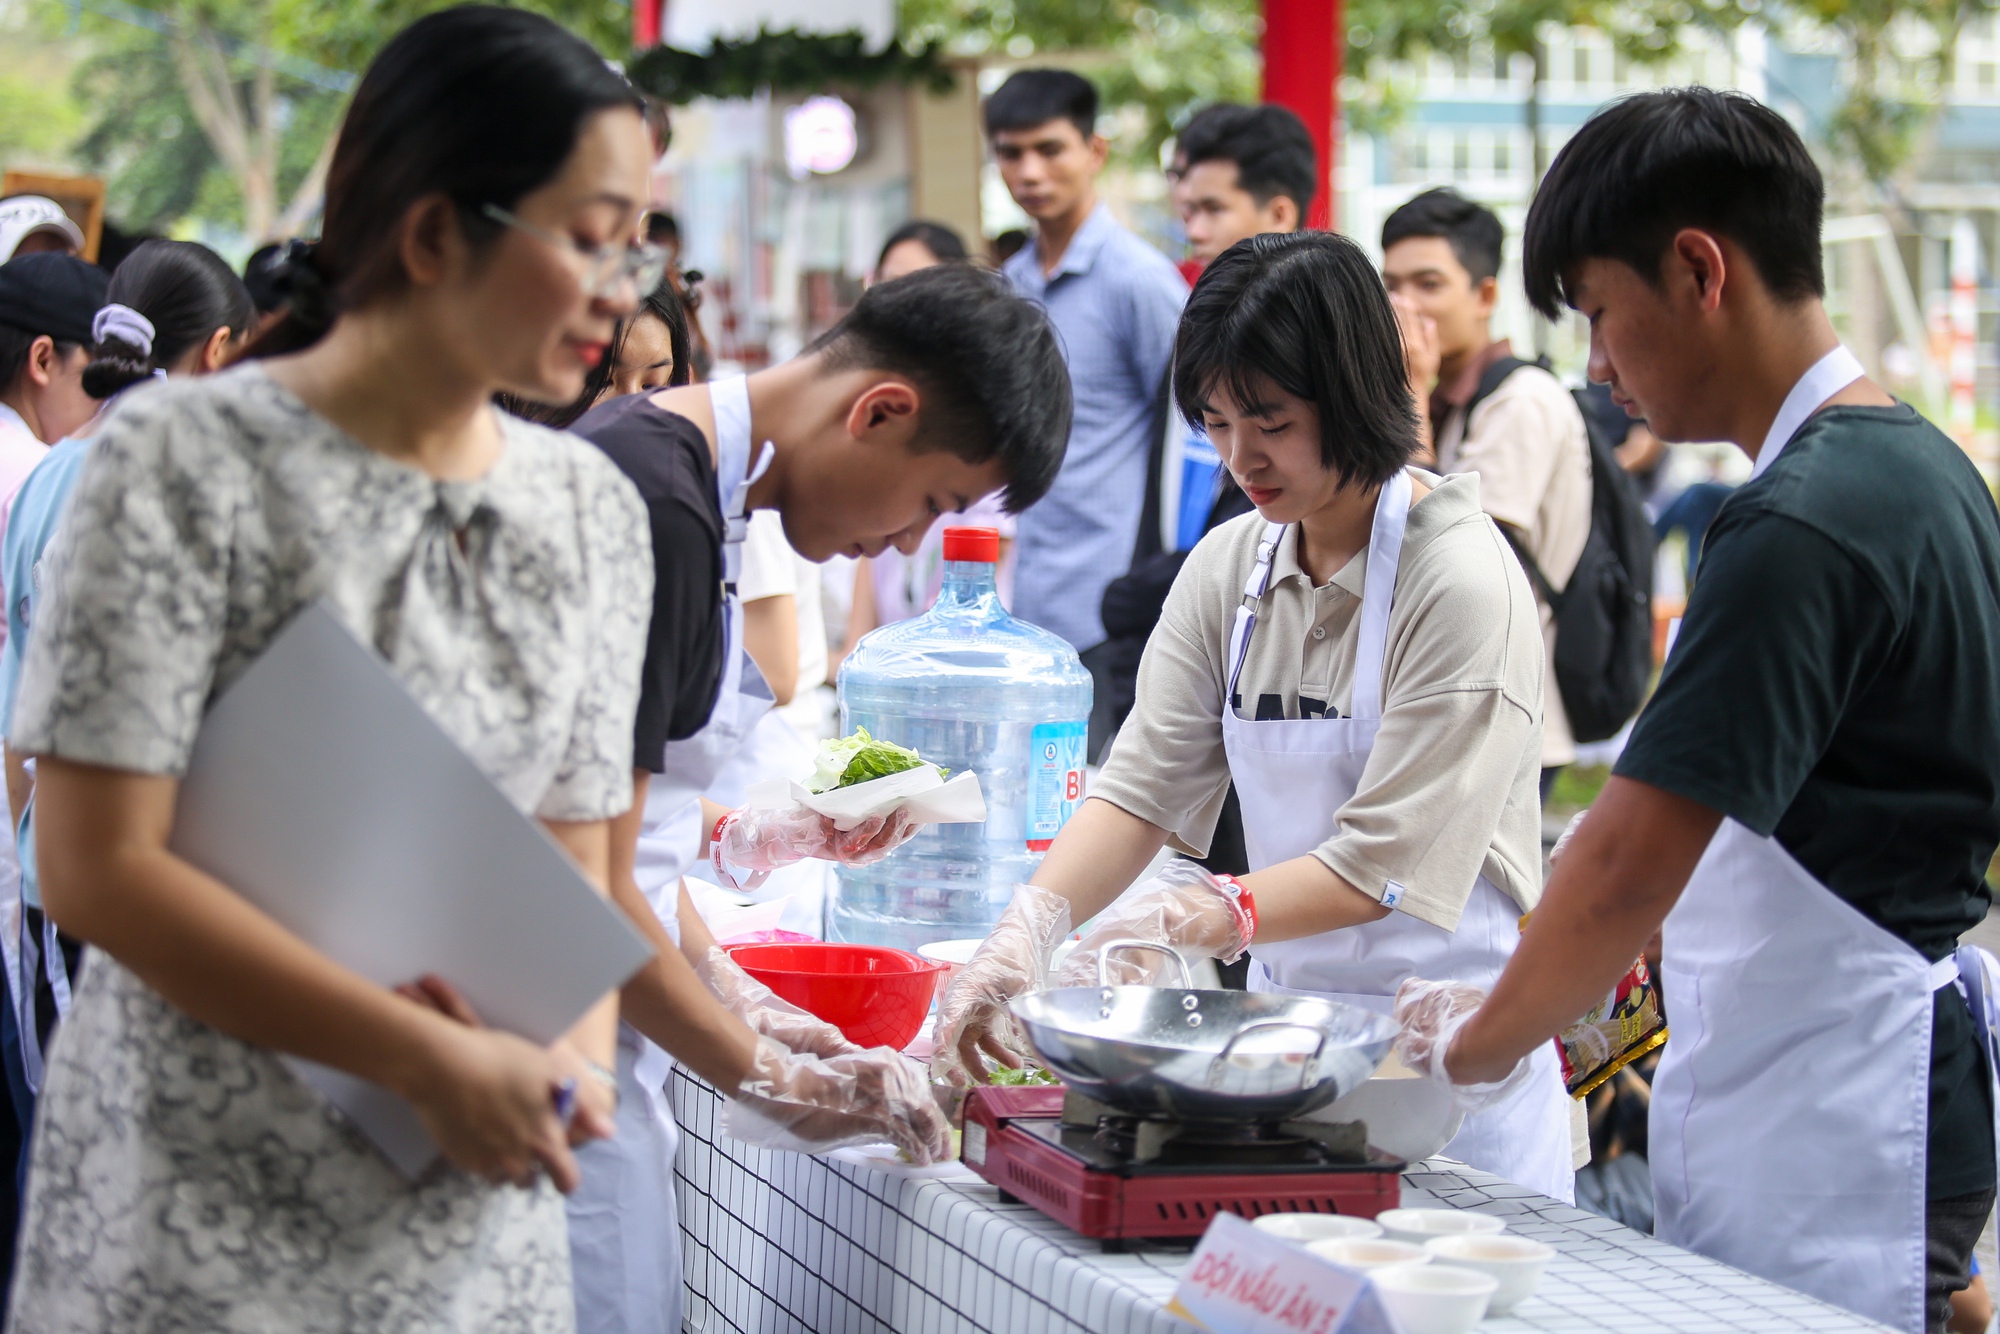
(182, 1179)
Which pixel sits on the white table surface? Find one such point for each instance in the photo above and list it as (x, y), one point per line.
(854, 1241)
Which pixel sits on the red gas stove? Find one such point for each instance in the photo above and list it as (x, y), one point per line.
(1120, 1178)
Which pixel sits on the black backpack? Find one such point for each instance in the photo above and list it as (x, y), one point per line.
(1604, 616)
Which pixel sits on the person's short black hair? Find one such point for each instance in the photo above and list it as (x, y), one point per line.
(1655, 163)
(662, 227)
(1008, 244)
(1032, 97)
(1270, 145)
(986, 364)
(1473, 230)
(945, 244)
(1305, 311)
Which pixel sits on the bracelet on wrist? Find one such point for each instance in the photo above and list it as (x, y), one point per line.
(602, 1074)
(1243, 901)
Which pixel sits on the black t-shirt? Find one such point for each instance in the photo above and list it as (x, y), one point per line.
(1836, 685)
(667, 458)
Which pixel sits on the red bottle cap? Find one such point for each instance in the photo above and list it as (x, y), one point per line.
(972, 544)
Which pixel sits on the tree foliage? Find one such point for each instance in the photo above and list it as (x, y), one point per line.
(227, 108)
(786, 61)
(1161, 58)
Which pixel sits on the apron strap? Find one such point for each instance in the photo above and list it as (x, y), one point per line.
(1378, 596)
(1942, 973)
(734, 473)
(1253, 594)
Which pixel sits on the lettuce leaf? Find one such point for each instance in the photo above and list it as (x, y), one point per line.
(845, 761)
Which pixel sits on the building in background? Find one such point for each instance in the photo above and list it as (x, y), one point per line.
(1890, 269)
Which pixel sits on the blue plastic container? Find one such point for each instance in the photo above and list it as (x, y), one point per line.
(966, 686)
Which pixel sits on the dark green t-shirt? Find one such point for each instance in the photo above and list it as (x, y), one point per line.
(1836, 684)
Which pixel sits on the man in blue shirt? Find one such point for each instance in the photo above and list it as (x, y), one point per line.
(1116, 302)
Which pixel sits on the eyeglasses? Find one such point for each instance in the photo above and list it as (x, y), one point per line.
(606, 267)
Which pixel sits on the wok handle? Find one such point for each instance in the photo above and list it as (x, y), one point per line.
(1305, 1071)
(1132, 943)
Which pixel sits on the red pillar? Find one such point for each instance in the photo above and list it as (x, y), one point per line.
(1302, 45)
(646, 23)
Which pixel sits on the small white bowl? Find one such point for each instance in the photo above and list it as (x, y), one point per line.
(1435, 1299)
(1368, 1252)
(1516, 1263)
(1420, 1225)
(1303, 1228)
(953, 954)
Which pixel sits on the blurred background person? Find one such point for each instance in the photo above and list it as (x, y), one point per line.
(1115, 301)
(33, 225)
(174, 308)
(47, 303)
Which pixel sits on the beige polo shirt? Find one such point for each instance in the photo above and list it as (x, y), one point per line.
(1526, 442)
(1450, 788)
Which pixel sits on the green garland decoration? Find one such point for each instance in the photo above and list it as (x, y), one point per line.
(786, 61)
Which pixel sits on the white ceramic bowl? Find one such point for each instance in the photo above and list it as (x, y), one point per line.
(1516, 1263)
(1435, 1299)
(1408, 1117)
(953, 954)
(1368, 1252)
(1317, 1227)
(1420, 1225)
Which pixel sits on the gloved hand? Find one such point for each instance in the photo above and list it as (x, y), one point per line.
(810, 1104)
(1183, 906)
(973, 1016)
(760, 840)
(767, 1013)
(1430, 1015)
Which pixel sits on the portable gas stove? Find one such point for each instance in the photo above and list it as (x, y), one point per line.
(1118, 1178)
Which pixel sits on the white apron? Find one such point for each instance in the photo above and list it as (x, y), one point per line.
(624, 1229)
(1292, 777)
(774, 749)
(1790, 1112)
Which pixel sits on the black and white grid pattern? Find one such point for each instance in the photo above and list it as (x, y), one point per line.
(853, 1243)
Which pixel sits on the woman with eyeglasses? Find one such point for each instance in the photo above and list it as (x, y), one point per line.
(484, 189)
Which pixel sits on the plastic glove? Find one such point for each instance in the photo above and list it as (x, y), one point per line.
(1015, 959)
(1183, 906)
(1569, 832)
(1430, 1015)
(760, 841)
(766, 1012)
(810, 1104)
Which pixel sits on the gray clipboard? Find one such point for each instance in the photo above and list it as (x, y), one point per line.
(321, 791)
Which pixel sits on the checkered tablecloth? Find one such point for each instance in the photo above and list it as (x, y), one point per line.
(854, 1241)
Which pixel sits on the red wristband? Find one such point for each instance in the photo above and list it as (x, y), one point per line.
(715, 834)
(1244, 902)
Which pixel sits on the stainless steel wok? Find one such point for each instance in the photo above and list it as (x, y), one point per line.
(1202, 1055)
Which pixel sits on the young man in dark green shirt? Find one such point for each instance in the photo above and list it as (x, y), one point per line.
(1811, 798)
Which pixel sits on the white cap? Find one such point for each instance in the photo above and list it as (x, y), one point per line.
(24, 215)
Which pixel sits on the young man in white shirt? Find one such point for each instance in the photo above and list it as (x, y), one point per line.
(1523, 435)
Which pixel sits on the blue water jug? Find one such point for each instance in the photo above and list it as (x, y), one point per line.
(966, 686)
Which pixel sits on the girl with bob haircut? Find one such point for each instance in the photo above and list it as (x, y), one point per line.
(484, 190)
(1361, 658)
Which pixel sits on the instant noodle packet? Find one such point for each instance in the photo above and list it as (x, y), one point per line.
(1626, 1025)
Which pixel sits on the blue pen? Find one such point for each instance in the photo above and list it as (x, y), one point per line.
(564, 1097)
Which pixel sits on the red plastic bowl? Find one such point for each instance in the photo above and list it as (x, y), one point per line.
(877, 996)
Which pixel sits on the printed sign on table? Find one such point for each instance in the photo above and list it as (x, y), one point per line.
(1242, 1281)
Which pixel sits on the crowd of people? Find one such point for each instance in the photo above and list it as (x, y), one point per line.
(1319, 536)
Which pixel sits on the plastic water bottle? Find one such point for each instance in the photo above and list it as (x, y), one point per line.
(966, 686)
